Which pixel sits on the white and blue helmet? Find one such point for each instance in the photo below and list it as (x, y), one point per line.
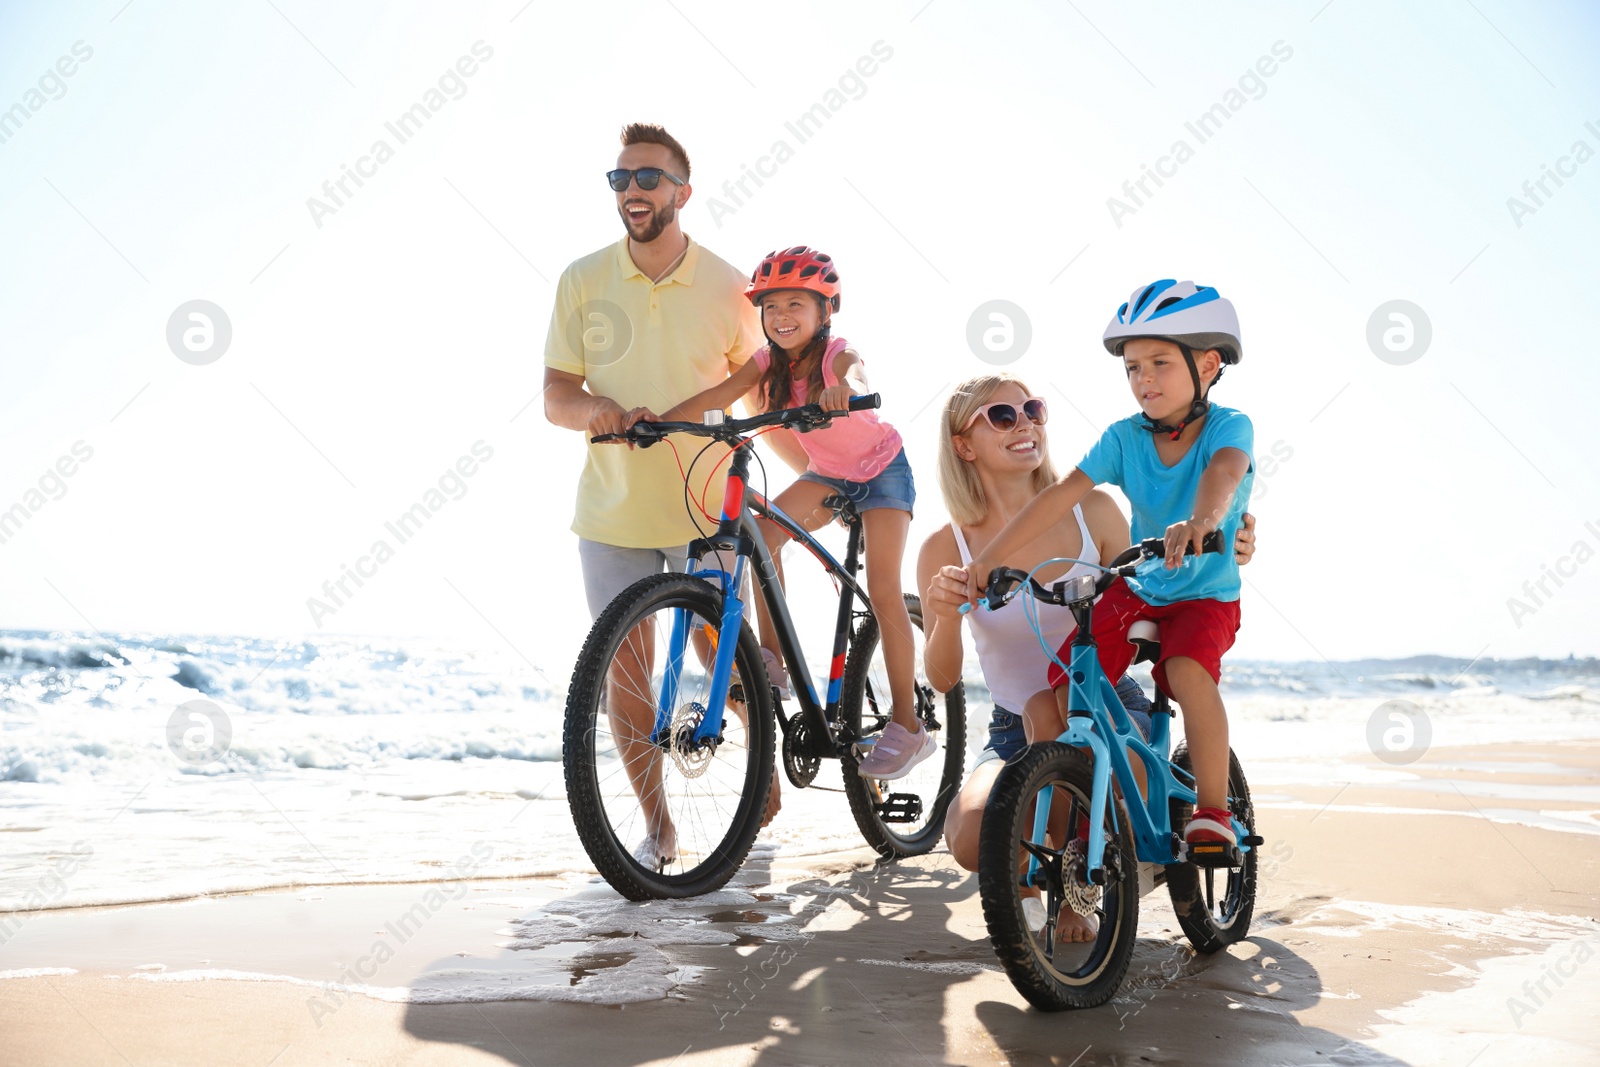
(1196, 316)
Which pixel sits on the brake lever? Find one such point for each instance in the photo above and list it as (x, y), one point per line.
(812, 418)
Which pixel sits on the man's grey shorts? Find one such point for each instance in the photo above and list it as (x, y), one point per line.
(609, 569)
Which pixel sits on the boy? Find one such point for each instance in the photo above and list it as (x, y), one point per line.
(1185, 468)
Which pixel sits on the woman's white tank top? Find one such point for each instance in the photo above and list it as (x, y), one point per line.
(1014, 666)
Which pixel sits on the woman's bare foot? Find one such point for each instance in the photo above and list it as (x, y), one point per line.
(1072, 927)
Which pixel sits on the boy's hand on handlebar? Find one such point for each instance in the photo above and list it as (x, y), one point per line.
(947, 593)
(1244, 542)
(1180, 535)
(977, 578)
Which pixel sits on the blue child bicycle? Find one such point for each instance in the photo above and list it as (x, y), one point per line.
(1054, 827)
(651, 752)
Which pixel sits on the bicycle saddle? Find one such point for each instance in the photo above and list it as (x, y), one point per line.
(1145, 636)
(842, 506)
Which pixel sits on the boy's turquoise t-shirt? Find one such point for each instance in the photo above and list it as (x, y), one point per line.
(1125, 456)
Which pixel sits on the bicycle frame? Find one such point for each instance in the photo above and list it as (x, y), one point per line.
(737, 532)
(1098, 721)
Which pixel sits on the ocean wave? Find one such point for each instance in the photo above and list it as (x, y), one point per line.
(22, 655)
(1579, 693)
(194, 676)
(266, 744)
(353, 676)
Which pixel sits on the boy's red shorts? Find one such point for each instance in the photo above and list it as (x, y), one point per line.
(1202, 630)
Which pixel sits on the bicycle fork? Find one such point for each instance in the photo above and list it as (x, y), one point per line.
(725, 642)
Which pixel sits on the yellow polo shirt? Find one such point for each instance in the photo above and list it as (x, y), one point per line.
(645, 344)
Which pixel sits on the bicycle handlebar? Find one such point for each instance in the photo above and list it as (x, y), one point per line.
(1005, 582)
(803, 418)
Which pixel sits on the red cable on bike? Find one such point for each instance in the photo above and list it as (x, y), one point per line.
(700, 503)
(706, 488)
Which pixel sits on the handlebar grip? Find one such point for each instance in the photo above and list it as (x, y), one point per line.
(1154, 547)
(643, 434)
(864, 402)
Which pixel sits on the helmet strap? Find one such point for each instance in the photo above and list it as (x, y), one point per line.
(1196, 410)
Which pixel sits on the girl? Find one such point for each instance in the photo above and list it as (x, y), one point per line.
(859, 456)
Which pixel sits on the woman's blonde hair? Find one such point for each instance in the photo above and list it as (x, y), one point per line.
(963, 492)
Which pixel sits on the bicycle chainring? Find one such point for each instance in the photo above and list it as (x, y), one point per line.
(800, 768)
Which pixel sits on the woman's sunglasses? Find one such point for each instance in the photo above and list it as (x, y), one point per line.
(647, 178)
(1003, 417)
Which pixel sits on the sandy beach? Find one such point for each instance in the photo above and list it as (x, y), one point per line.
(1447, 916)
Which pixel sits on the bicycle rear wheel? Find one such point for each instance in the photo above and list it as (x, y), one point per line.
(904, 817)
(1214, 904)
(714, 794)
(1053, 974)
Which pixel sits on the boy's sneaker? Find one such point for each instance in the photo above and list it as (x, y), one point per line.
(776, 674)
(896, 752)
(1210, 837)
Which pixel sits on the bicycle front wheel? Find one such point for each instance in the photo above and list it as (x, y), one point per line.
(1051, 965)
(904, 817)
(699, 803)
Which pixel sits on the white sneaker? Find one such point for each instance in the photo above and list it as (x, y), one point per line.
(896, 752)
(776, 674)
(1033, 913)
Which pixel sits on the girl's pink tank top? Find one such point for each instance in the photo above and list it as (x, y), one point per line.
(857, 448)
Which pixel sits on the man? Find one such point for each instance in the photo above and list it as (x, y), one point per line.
(637, 327)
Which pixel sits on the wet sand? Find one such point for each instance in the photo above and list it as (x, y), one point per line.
(1445, 914)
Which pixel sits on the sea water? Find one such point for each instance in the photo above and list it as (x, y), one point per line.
(349, 761)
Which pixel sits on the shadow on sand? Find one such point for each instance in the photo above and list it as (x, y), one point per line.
(872, 965)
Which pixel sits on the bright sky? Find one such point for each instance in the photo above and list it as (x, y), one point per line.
(1407, 503)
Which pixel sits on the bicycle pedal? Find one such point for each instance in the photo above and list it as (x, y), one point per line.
(1254, 841)
(1213, 854)
(900, 807)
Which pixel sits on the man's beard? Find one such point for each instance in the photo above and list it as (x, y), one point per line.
(660, 219)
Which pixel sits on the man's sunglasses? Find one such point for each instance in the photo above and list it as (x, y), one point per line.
(646, 177)
(1003, 417)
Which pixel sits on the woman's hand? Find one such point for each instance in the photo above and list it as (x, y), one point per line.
(1244, 542)
(946, 593)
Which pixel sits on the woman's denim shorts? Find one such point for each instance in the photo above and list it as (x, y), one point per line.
(1007, 737)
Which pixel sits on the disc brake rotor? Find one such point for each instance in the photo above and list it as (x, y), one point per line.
(1082, 896)
(692, 759)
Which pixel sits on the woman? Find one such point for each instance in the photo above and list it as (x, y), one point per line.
(993, 458)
